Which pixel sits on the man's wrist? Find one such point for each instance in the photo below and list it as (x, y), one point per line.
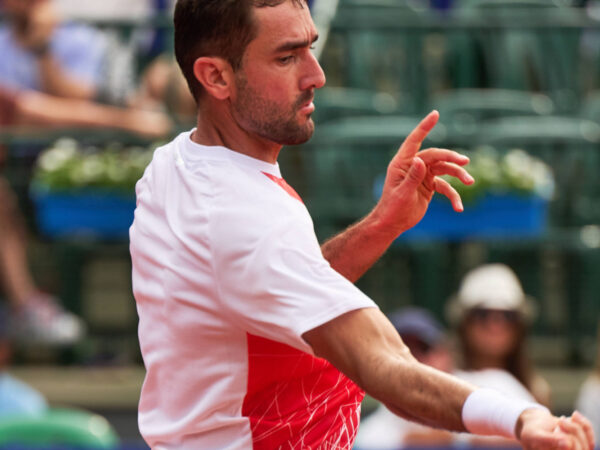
(488, 412)
(383, 227)
(529, 412)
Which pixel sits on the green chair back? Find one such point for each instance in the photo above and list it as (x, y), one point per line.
(462, 110)
(517, 52)
(338, 102)
(64, 427)
(367, 49)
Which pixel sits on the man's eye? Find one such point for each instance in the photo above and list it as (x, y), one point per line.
(286, 59)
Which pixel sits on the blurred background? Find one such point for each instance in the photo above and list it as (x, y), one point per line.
(510, 286)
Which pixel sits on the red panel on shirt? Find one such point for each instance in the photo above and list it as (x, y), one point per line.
(281, 182)
(295, 400)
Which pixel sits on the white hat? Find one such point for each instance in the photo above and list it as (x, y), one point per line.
(491, 286)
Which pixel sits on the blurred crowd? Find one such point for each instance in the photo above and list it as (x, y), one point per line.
(61, 73)
(487, 346)
(56, 73)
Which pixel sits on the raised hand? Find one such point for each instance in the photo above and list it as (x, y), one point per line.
(413, 177)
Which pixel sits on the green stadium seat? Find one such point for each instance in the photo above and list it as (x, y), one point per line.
(462, 110)
(59, 427)
(367, 49)
(338, 102)
(518, 52)
(590, 106)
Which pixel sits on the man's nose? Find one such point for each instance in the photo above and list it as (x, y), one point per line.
(314, 77)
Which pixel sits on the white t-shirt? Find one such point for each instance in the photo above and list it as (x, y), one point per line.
(227, 276)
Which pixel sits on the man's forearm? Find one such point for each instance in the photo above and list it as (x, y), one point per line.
(424, 395)
(365, 346)
(353, 251)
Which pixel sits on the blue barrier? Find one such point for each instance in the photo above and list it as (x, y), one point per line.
(492, 216)
(86, 213)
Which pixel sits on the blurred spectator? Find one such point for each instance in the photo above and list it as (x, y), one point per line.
(127, 53)
(163, 88)
(16, 397)
(51, 73)
(425, 338)
(42, 54)
(492, 315)
(588, 400)
(39, 54)
(33, 108)
(37, 317)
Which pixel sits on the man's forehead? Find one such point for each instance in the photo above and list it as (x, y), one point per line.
(287, 21)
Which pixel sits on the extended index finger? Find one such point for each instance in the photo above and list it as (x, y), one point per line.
(413, 141)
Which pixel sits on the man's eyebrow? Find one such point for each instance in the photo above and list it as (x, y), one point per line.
(294, 45)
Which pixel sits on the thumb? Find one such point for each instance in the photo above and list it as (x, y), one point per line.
(415, 175)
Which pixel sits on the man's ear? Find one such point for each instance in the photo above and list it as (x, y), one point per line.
(215, 75)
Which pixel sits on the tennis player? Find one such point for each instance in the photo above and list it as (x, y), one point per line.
(252, 335)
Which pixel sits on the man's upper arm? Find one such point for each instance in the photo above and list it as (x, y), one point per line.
(364, 345)
(357, 341)
(271, 274)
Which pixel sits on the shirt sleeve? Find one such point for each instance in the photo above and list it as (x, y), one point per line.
(275, 281)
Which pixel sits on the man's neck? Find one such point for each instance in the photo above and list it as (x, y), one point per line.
(215, 130)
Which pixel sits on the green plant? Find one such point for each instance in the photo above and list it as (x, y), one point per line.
(66, 165)
(497, 172)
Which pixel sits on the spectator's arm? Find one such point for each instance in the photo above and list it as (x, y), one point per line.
(39, 109)
(42, 24)
(56, 81)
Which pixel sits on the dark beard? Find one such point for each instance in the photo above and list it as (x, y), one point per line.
(261, 117)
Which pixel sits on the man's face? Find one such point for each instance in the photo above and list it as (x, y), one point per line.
(276, 82)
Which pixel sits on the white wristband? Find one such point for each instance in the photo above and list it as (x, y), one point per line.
(488, 412)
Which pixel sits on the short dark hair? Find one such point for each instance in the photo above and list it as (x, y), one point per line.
(222, 28)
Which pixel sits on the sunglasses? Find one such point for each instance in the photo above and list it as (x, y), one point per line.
(485, 315)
